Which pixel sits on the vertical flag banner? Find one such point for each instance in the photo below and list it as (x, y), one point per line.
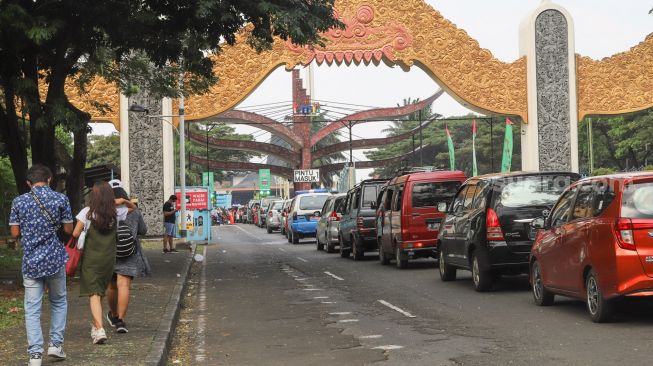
(452, 155)
(474, 167)
(506, 161)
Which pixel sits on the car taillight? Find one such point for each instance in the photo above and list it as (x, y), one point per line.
(359, 223)
(494, 232)
(624, 233)
(334, 216)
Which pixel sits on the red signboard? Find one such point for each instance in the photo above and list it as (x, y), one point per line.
(196, 199)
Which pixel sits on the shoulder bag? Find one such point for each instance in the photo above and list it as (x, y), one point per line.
(58, 228)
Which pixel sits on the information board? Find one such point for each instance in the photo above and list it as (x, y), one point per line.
(307, 176)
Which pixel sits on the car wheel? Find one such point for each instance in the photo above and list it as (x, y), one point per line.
(356, 250)
(293, 237)
(383, 258)
(329, 245)
(541, 296)
(447, 271)
(344, 253)
(600, 309)
(401, 263)
(269, 230)
(320, 246)
(482, 279)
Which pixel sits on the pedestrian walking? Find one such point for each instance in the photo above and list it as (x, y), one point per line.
(35, 218)
(99, 220)
(169, 212)
(127, 268)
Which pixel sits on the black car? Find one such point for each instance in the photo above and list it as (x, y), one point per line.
(357, 230)
(487, 228)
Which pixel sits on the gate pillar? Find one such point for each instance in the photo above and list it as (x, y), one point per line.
(550, 139)
(146, 156)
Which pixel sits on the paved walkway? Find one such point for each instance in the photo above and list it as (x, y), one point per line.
(149, 298)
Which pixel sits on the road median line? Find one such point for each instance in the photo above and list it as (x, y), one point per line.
(397, 309)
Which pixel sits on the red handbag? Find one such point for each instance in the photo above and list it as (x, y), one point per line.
(74, 255)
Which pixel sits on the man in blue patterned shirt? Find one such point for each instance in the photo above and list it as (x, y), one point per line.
(44, 259)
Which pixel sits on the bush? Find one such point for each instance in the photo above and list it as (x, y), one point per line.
(603, 171)
(648, 167)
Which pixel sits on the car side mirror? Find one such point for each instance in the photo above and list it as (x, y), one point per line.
(538, 223)
(442, 206)
(294, 216)
(317, 214)
(373, 205)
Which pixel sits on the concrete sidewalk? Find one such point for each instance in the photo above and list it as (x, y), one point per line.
(152, 311)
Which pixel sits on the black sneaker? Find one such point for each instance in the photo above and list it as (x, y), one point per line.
(173, 251)
(113, 320)
(166, 251)
(121, 327)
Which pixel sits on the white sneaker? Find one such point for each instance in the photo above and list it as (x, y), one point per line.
(35, 359)
(56, 352)
(99, 335)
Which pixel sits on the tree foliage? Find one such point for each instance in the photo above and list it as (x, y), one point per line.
(138, 44)
(103, 150)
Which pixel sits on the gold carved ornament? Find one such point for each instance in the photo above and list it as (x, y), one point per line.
(403, 32)
(618, 84)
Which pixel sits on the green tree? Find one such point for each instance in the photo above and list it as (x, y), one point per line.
(103, 150)
(134, 43)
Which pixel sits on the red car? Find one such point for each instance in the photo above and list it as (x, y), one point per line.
(596, 244)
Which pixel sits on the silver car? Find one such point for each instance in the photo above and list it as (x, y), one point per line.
(273, 220)
(284, 216)
(327, 226)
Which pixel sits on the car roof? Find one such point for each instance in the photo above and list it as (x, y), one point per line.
(444, 175)
(313, 194)
(499, 176)
(621, 176)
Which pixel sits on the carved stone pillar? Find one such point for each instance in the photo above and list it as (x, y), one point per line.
(550, 139)
(146, 161)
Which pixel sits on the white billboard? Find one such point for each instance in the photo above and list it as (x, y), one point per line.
(307, 176)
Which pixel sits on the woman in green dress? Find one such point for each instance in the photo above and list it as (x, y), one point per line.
(99, 219)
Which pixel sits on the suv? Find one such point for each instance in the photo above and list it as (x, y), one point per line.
(597, 243)
(410, 209)
(273, 220)
(357, 231)
(303, 215)
(487, 227)
(263, 210)
(327, 226)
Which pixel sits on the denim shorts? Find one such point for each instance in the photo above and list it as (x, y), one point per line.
(170, 229)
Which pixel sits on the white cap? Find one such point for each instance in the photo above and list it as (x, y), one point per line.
(115, 183)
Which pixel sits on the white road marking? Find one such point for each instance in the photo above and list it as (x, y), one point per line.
(201, 321)
(334, 276)
(328, 302)
(321, 297)
(301, 279)
(281, 249)
(347, 320)
(389, 347)
(302, 259)
(312, 289)
(397, 309)
(341, 313)
(371, 336)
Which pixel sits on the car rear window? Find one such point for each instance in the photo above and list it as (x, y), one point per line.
(637, 202)
(277, 205)
(340, 204)
(312, 202)
(539, 190)
(428, 194)
(369, 196)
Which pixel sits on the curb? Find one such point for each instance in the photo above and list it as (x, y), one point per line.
(158, 352)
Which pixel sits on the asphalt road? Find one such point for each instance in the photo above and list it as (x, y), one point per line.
(263, 301)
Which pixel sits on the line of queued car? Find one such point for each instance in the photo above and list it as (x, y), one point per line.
(590, 239)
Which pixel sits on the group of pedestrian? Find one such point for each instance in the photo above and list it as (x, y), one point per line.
(40, 218)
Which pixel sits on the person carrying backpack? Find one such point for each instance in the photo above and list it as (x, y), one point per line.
(135, 265)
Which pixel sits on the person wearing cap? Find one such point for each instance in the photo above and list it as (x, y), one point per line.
(169, 225)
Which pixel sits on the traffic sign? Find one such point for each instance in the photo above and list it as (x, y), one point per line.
(307, 176)
(264, 180)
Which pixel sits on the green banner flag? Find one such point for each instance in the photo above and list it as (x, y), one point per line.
(452, 155)
(506, 161)
(474, 167)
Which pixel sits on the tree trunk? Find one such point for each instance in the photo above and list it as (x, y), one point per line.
(75, 176)
(13, 139)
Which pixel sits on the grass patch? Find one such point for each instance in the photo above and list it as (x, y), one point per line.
(10, 259)
(11, 309)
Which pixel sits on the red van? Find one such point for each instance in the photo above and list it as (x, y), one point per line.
(410, 208)
(596, 244)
